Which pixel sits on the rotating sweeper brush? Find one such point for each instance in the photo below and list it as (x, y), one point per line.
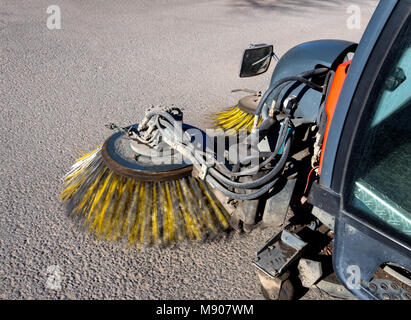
(241, 116)
(135, 187)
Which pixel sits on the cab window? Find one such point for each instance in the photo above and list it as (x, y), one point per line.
(379, 172)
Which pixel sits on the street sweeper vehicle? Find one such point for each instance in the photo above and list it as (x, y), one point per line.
(324, 153)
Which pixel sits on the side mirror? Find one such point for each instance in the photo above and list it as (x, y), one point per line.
(256, 60)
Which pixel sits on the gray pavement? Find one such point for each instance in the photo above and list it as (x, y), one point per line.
(110, 61)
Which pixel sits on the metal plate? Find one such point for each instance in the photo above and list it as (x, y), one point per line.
(120, 158)
(385, 289)
(249, 104)
(276, 207)
(279, 253)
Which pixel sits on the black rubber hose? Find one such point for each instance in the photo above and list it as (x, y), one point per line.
(270, 155)
(237, 196)
(256, 183)
(263, 129)
(280, 142)
(299, 78)
(304, 74)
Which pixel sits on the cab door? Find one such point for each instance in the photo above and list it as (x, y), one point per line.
(366, 182)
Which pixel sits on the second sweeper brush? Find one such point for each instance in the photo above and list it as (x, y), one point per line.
(241, 116)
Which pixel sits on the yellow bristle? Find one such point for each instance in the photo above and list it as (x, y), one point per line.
(114, 207)
(234, 119)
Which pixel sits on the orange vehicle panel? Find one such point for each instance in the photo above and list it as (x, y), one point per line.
(332, 101)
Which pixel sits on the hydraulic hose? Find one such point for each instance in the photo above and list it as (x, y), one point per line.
(256, 183)
(237, 196)
(315, 72)
(251, 171)
(299, 78)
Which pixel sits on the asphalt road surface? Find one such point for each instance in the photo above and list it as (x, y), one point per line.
(110, 61)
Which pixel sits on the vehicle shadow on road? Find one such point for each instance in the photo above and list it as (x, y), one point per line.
(291, 5)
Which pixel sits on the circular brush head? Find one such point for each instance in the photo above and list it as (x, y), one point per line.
(239, 117)
(118, 194)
